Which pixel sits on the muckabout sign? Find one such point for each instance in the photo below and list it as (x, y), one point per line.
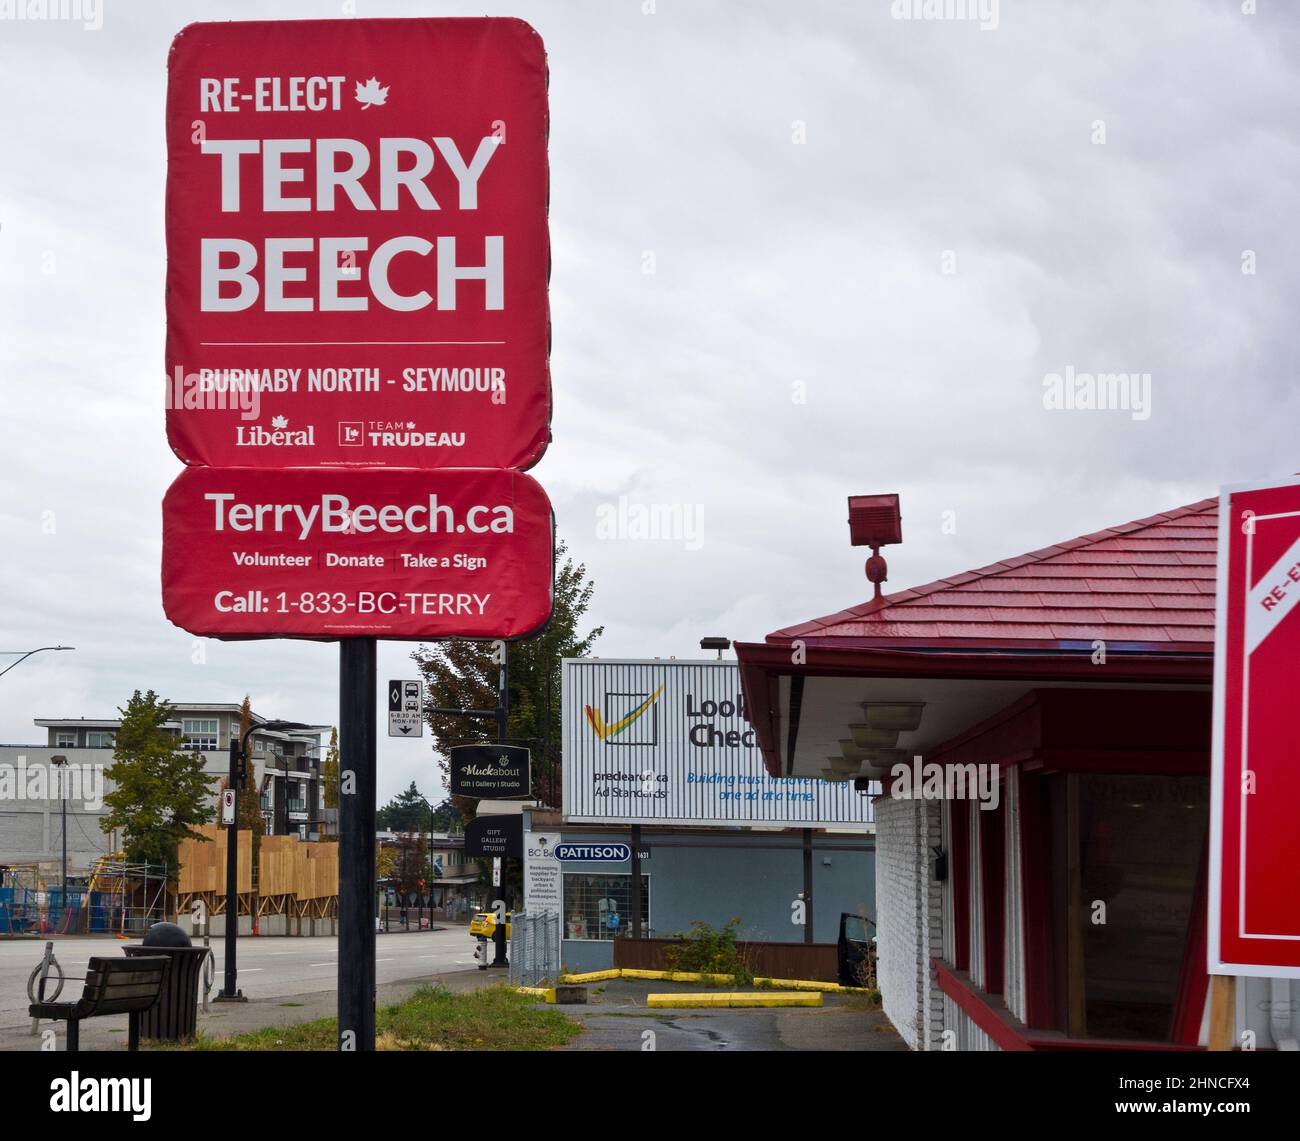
(357, 244)
(494, 772)
(1254, 912)
(357, 553)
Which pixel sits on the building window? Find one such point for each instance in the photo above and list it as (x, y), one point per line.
(599, 906)
(99, 740)
(1133, 845)
(65, 740)
(200, 734)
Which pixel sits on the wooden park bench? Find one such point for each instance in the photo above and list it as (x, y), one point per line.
(113, 986)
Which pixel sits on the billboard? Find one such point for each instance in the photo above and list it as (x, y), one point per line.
(666, 742)
(370, 552)
(357, 244)
(1254, 909)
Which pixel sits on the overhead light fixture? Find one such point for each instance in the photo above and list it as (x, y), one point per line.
(844, 765)
(905, 716)
(867, 737)
(719, 644)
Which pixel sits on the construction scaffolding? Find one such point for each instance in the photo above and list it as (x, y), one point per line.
(121, 898)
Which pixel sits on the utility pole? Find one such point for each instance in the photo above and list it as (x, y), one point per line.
(61, 762)
(230, 991)
(503, 713)
(237, 779)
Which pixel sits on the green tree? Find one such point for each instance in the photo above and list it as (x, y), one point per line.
(329, 771)
(159, 791)
(406, 812)
(411, 867)
(462, 674)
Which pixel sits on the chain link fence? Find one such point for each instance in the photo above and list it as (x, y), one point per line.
(535, 948)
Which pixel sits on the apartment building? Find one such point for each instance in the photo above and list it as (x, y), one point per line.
(284, 767)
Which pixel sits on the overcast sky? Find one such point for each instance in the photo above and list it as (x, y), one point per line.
(805, 179)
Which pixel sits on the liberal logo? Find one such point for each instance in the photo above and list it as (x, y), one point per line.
(280, 435)
(626, 710)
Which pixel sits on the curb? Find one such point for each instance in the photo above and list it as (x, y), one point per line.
(732, 999)
(717, 980)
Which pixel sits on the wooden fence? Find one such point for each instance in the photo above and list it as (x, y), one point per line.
(294, 877)
(813, 961)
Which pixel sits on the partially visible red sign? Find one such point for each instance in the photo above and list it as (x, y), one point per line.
(388, 553)
(357, 244)
(1254, 833)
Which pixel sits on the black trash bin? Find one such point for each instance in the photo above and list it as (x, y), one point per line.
(173, 1017)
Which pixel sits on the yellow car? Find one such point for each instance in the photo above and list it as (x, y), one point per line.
(484, 925)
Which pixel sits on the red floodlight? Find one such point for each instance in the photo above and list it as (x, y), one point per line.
(875, 521)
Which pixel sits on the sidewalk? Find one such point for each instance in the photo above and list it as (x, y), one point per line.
(225, 1019)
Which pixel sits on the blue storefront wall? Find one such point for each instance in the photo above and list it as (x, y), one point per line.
(717, 875)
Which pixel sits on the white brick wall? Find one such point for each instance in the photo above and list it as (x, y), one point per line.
(909, 918)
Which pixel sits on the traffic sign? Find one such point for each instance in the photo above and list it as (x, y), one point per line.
(405, 706)
(1254, 911)
(323, 553)
(357, 244)
(228, 806)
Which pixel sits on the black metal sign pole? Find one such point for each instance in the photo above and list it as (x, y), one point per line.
(503, 713)
(230, 992)
(358, 716)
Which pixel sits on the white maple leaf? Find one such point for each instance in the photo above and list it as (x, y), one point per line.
(410, 424)
(370, 94)
(279, 421)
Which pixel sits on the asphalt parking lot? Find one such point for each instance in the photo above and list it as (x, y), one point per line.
(616, 1018)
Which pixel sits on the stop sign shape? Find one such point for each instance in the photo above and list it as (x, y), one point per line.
(1254, 911)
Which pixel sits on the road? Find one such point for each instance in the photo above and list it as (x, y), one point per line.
(269, 966)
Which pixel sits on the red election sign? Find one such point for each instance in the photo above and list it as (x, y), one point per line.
(373, 553)
(357, 244)
(1254, 907)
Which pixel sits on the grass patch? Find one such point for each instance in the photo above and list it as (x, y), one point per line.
(292, 1004)
(433, 1018)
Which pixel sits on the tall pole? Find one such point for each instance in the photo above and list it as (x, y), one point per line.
(807, 885)
(636, 881)
(503, 715)
(230, 991)
(63, 814)
(357, 787)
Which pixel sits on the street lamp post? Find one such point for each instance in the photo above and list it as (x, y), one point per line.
(25, 654)
(238, 779)
(62, 764)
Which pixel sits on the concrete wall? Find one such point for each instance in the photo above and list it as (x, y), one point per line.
(732, 878)
(30, 828)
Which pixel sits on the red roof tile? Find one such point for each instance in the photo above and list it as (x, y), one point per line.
(1148, 581)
